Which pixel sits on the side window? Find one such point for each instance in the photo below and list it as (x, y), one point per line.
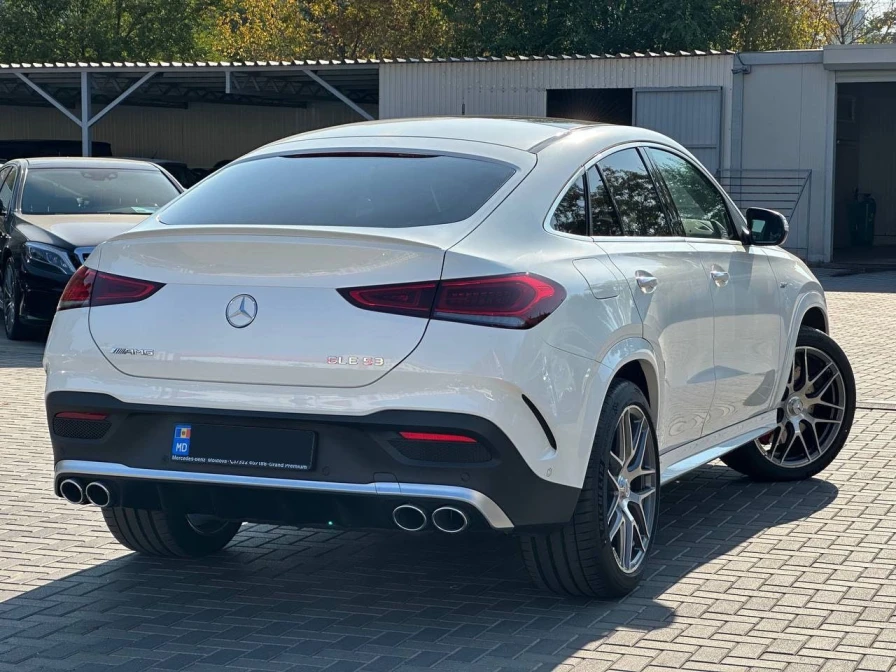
(700, 206)
(604, 221)
(569, 217)
(8, 177)
(635, 195)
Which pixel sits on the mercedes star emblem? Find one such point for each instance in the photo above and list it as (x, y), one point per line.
(241, 311)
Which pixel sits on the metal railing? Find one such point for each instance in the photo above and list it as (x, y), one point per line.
(780, 190)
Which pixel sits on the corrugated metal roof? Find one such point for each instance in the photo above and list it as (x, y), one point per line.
(140, 65)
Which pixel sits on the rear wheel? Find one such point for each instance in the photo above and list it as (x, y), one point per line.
(602, 551)
(814, 415)
(169, 535)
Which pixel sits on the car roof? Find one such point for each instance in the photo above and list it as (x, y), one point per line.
(87, 162)
(523, 133)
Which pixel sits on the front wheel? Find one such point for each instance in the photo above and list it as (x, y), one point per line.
(603, 550)
(169, 535)
(11, 298)
(814, 415)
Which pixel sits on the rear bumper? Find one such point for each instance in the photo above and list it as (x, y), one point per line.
(362, 466)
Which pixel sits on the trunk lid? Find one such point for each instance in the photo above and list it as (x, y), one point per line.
(288, 324)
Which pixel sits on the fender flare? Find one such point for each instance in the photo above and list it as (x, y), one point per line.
(626, 351)
(811, 299)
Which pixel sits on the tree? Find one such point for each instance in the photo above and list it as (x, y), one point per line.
(259, 30)
(783, 24)
(51, 30)
(861, 21)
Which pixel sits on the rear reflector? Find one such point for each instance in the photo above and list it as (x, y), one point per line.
(88, 287)
(71, 415)
(441, 438)
(517, 301)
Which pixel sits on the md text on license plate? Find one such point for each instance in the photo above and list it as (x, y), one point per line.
(243, 447)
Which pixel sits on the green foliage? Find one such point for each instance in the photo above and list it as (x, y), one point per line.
(49, 30)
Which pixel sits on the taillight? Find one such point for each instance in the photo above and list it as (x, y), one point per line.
(517, 301)
(88, 287)
(77, 292)
(415, 299)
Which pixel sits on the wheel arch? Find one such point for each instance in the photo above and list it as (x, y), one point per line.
(634, 360)
(816, 318)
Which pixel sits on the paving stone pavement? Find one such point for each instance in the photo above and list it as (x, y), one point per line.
(746, 577)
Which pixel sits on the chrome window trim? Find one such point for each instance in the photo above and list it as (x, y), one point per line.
(733, 211)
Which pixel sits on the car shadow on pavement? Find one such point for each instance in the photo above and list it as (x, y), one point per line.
(280, 597)
(20, 354)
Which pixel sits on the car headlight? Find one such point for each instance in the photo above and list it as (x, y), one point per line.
(39, 255)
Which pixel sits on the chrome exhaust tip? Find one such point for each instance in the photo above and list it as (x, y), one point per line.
(450, 520)
(98, 494)
(409, 518)
(72, 491)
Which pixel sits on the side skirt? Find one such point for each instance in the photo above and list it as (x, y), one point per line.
(679, 461)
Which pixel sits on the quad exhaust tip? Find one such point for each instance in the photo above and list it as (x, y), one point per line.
(450, 520)
(409, 518)
(72, 491)
(98, 494)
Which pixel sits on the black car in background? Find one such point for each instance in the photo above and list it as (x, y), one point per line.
(54, 211)
(21, 149)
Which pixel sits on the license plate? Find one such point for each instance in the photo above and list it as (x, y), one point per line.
(243, 448)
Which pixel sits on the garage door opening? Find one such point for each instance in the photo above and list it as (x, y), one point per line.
(610, 106)
(864, 197)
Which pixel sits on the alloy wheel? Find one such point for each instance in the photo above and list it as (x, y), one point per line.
(811, 412)
(631, 489)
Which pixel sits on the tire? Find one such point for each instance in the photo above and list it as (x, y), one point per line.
(11, 299)
(581, 558)
(167, 535)
(766, 459)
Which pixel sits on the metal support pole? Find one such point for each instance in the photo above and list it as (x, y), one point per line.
(46, 96)
(86, 145)
(341, 96)
(133, 87)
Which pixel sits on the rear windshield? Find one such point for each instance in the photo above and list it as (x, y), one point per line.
(95, 191)
(352, 190)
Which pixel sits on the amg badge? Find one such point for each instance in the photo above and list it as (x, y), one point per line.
(133, 351)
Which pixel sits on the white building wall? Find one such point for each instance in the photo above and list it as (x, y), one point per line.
(787, 126)
(519, 87)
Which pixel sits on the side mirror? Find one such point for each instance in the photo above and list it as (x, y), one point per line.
(767, 227)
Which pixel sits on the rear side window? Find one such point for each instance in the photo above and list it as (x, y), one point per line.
(604, 221)
(635, 195)
(342, 190)
(570, 217)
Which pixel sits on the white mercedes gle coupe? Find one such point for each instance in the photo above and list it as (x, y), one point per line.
(522, 325)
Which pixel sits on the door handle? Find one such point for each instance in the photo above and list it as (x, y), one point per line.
(719, 276)
(646, 282)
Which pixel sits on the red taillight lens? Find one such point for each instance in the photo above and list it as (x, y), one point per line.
(510, 301)
(415, 299)
(440, 438)
(88, 287)
(77, 292)
(110, 290)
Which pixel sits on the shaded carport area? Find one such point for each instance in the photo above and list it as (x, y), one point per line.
(197, 113)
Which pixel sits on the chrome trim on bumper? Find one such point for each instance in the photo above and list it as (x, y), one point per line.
(485, 505)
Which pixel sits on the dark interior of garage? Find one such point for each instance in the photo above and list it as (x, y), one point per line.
(611, 106)
(865, 175)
